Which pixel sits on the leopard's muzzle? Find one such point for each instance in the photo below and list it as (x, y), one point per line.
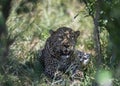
(66, 51)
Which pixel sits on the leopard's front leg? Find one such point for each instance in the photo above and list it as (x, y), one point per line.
(77, 75)
(75, 72)
(51, 68)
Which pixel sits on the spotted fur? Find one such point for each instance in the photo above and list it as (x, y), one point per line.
(59, 51)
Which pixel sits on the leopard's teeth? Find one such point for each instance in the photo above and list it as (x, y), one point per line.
(65, 56)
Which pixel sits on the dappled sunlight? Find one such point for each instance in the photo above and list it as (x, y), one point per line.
(104, 78)
(24, 29)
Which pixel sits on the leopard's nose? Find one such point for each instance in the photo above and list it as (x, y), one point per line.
(66, 45)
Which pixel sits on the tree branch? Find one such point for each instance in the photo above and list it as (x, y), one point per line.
(97, 33)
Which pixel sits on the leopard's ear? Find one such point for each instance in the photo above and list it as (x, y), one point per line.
(77, 33)
(51, 32)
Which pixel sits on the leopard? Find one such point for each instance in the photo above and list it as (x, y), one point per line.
(59, 53)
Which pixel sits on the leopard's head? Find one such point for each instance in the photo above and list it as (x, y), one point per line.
(63, 41)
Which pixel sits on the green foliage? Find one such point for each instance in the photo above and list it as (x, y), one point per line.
(108, 21)
(104, 78)
(30, 22)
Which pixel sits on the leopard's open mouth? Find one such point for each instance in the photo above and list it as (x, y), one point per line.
(65, 53)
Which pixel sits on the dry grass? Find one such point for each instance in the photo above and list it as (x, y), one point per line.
(32, 29)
